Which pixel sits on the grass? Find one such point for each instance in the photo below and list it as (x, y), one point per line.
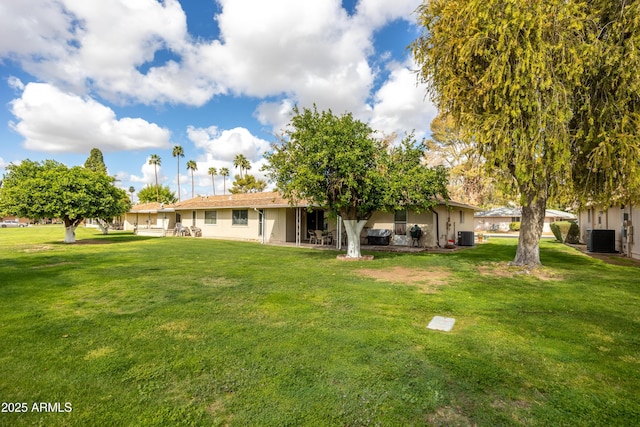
(142, 331)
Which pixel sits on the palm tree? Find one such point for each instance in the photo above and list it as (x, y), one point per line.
(246, 164)
(155, 161)
(225, 173)
(178, 152)
(132, 190)
(192, 166)
(213, 172)
(239, 162)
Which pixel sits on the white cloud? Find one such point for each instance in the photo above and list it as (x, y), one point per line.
(225, 145)
(3, 164)
(378, 12)
(34, 28)
(400, 104)
(312, 51)
(54, 121)
(149, 174)
(220, 148)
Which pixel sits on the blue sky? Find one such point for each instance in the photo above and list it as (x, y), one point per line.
(218, 77)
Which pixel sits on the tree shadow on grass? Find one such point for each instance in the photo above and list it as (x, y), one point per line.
(105, 240)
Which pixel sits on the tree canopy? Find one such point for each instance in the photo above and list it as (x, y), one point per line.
(469, 179)
(336, 163)
(49, 189)
(247, 184)
(162, 194)
(95, 162)
(547, 90)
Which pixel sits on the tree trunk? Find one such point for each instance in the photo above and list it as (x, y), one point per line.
(70, 234)
(353, 227)
(104, 226)
(532, 222)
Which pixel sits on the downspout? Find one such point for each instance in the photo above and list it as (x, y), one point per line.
(437, 227)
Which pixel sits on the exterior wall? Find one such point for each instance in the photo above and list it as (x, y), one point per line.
(149, 220)
(223, 228)
(277, 223)
(489, 223)
(503, 223)
(597, 218)
(451, 220)
(386, 221)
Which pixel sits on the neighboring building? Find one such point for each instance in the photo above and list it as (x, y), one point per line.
(623, 220)
(269, 218)
(499, 219)
(150, 219)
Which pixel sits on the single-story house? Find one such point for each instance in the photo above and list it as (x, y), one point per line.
(621, 220)
(499, 219)
(269, 218)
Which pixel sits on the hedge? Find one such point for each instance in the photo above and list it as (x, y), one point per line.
(566, 231)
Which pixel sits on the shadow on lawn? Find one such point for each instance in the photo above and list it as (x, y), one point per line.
(105, 240)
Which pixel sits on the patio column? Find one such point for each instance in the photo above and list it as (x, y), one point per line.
(297, 226)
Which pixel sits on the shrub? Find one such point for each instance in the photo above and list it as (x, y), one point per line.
(566, 231)
(514, 226)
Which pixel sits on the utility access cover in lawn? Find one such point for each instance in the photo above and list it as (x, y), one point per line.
(439, 323)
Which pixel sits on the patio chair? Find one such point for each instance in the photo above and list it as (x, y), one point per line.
(196, 231)
(312, 236)
(180, 230)
(327, 238)
(319, 237)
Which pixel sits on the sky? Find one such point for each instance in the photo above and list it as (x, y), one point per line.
(218, 77)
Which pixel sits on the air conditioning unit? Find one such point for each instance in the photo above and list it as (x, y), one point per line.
(465, 238)
(601, 241)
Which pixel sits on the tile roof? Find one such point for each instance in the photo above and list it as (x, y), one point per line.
(151, 207)
(515, 212)
(245, 200)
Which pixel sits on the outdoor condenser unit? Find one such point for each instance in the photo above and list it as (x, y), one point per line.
(601, 241)
(465, 238)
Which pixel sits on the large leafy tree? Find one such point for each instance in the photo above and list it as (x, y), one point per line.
(546, 90)
(49, 189)
(335, 162)
(163, 194)
(469, 180)
(178, 152)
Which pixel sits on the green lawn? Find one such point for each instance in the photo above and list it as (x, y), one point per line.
(178, 331)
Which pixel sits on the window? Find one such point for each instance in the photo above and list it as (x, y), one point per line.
(193, 218)
(400, 220)
(211, 217)
(461, 217)
(240, 217)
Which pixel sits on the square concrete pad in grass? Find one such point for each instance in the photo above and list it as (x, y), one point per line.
(439, 323)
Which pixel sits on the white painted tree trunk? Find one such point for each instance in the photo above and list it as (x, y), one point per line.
(70, 234)
(104, 226)
(353, 228)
